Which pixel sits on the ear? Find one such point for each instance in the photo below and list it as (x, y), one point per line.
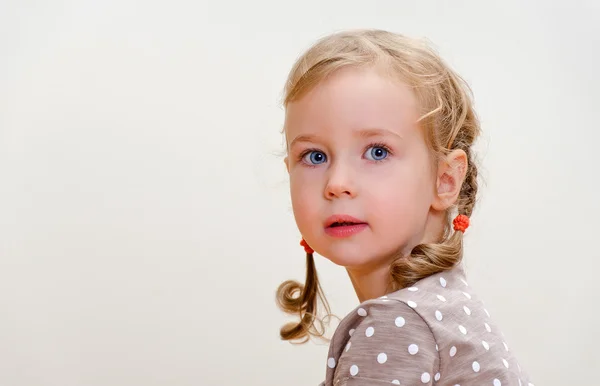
(287, 164)
(452, 170)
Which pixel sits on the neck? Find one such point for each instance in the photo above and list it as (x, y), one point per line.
(370, 283)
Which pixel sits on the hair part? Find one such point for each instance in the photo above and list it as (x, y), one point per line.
(449, 123)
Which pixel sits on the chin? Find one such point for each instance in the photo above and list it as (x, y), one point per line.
(347, 261)
(355, 257)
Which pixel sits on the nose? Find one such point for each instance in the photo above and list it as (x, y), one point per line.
(340, 183)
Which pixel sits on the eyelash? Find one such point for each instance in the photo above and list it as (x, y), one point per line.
(304, 153)
(374, 144)
(380, 145)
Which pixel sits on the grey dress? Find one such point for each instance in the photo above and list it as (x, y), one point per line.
(434, 333)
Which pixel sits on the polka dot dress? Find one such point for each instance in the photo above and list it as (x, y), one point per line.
(434, 333)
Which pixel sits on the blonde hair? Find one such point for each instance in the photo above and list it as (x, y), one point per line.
(448, 120)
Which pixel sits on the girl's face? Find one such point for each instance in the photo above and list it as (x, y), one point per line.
(361, 178)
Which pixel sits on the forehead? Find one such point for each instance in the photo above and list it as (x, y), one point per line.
(353, 98)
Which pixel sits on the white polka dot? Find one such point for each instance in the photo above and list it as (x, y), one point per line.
(505, 363)
(463, 330)
(468, 296)
(413, 289)
(463, 280)
(476, 366)
(362, 312)
(443, 282)
(382, 358)
(413, 349)
(331, 363)
(441, 298)
(369, 332)
(425, 377)
(437, 348)
(530, 384)
(497, 382)
(437, 377)
(383, 297)
(453, 351)
(505, 345)
(353, 370)
(438, 315)
(486, 312)
(485, 345)
(348, 346)
(411, 304)
(351, 332)
(467, 310)
(487, 327)
(400, 321)
(395, 382)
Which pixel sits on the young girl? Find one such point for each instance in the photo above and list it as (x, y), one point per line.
(379, 133)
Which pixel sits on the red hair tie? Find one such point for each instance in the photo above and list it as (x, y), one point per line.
(307, 248)
(461, 223)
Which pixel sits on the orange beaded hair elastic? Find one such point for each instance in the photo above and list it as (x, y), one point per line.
(307, 248)
(461, 223)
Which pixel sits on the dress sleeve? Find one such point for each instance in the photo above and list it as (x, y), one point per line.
(391, 345)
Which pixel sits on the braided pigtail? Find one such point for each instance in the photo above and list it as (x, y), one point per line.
(303, 301)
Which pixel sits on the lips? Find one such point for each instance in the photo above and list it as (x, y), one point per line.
(343, 226)
(342, 220)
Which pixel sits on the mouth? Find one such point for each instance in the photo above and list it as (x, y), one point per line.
(343, 226)
(338, 221)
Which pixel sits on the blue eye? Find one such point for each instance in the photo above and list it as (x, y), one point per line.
(314, 157)
(376, 153)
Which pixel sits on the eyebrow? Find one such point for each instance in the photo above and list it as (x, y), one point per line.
(363, 133)
(374, 132)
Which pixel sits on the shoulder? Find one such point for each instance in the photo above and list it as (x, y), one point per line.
(436, 329)
(415, 308)
(393, 315)
(384, 340)
(436, 296)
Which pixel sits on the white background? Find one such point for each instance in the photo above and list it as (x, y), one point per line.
(144, 213)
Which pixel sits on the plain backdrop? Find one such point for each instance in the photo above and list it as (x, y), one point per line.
(145, 221)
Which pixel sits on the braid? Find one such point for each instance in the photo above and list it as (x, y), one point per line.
(302, 300)
(468, 191)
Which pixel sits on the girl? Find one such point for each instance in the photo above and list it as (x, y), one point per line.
(379, 133)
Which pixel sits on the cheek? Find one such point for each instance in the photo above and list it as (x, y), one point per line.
(305, 197)
(406, 192)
